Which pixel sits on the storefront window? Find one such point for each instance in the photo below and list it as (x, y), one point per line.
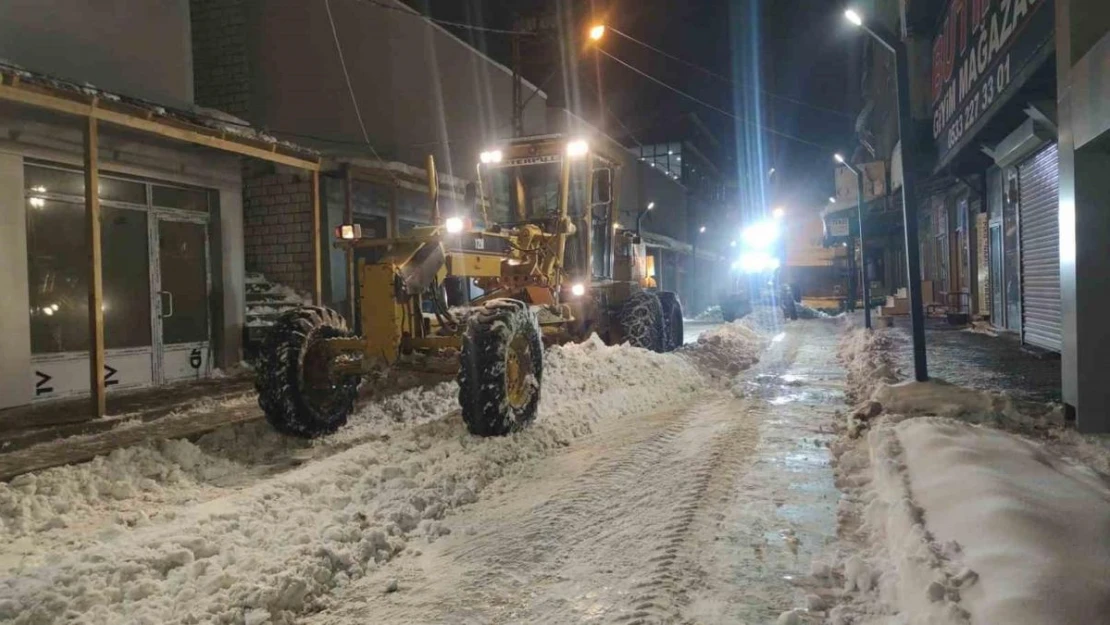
(48, 180)
(57, 266)
(178, 197)
(58, 270)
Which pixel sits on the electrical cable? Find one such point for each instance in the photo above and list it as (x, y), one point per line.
(351, 90)
(717, 108)
(728, 80)
(414, 13)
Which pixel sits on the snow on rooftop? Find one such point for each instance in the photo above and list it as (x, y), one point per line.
(190, 113)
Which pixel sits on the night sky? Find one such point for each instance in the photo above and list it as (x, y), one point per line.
(798, 49)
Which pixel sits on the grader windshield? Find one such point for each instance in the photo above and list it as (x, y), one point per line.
(529, 192)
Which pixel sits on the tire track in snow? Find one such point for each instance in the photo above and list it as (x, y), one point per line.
(601, 544)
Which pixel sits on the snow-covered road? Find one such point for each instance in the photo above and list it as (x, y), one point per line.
(709, 513)
(648, 490)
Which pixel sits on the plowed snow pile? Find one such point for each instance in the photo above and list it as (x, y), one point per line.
(727, 350)
(274, 548)
(956, 522)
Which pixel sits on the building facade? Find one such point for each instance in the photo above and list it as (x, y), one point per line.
(170, 192)
(1006, 233)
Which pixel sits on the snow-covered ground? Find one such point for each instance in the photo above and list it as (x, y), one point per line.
(964, 506)
(246, 526)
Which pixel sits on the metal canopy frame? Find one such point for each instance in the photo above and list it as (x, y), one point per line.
(93, 109)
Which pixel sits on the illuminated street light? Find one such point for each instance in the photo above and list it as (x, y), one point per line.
(651, 205)
(839, 158)
(597, 32)
(832, 200)
(701, 230)
(910, 154)
(779, 212)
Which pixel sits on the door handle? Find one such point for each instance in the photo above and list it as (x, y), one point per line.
(170, 297)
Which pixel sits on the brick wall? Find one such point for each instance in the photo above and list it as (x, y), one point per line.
(277, 229)
(221, 72)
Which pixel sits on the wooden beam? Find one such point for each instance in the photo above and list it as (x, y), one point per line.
(136, 122)
(96, 287)
(317, 262)
(349, 218)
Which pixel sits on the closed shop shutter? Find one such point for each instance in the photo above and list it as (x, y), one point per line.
(1039, 179)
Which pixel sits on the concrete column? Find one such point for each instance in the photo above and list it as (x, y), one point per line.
(1083, 94)
(16, 377)
(231, 270)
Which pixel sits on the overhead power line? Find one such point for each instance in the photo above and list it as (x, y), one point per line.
(350, 89)
(730, 81)
(716, 108)
(434, 20)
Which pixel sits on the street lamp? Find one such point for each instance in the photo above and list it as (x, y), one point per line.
(778, 213)
(832, 200)
(909, 186)
(862, 244)
(597, 31)
(640, 216)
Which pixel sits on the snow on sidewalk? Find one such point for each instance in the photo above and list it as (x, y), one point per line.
(1031, 531)
(276, 548)
(952, 522)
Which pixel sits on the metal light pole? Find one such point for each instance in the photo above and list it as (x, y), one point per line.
(909, 187)
(862, 241)
(694, 291)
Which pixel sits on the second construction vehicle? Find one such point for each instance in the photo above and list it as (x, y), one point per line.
(549, 264)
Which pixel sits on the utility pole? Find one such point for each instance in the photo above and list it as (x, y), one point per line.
(910, 154)
(518, 81)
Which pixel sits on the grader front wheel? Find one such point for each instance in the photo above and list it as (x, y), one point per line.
(501, 369)
(298, 391)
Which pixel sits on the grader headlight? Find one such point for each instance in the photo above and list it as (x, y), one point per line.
(454, 225)
(577, 148)
(490, 157)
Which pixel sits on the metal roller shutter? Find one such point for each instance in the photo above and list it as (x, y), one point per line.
(1039, 179)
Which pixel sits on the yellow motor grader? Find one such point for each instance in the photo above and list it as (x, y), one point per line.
(549, 264)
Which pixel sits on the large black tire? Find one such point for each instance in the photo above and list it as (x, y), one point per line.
(673, 327)
(641, 320)
(297, 390)
(500, 369)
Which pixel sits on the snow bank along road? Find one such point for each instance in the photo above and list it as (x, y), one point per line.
(652, 488)
(967, 507)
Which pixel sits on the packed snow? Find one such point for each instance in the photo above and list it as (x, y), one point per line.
(950, 521)
(180, 532)
(1030, 531)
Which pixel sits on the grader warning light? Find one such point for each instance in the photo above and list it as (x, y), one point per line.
(348, 232)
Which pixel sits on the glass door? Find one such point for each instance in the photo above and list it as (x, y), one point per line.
(181, 296)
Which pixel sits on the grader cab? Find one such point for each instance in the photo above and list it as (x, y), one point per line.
(548, 264)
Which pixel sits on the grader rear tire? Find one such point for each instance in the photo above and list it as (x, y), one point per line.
(673, 325)
(297, 389)
(641, 320)
(501, 369)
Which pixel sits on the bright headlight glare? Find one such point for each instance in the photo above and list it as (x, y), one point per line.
(578, 290)
(454, 225)
(577, 148)
(761, 235)
(492, 156)
(756, 262)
